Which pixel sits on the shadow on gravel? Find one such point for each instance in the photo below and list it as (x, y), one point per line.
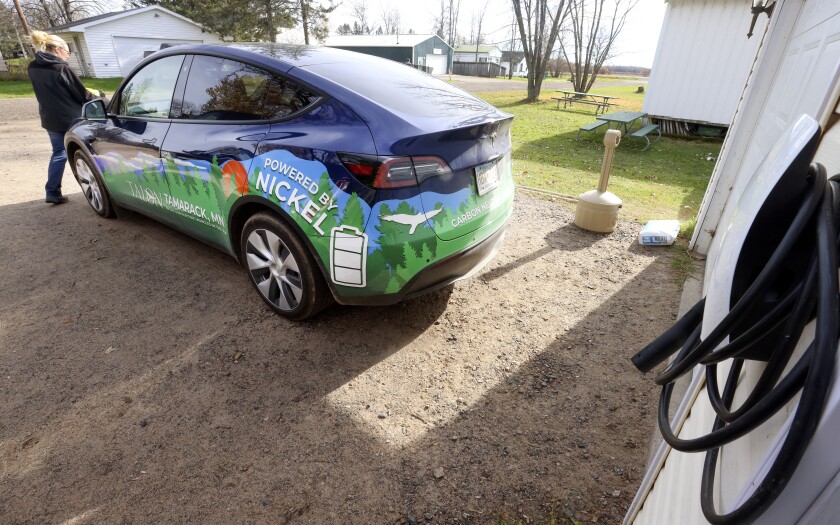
(142, 381)
(569, 429)
(568, 237)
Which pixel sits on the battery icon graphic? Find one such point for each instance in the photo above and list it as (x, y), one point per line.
(348, 261)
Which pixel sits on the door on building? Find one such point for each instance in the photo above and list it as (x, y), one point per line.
(438, 63)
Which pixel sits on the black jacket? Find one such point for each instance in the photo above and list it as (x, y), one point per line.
(59, 91)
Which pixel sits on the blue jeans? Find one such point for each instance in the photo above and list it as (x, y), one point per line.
(57, 163)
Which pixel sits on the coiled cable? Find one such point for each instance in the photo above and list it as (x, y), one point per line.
(814, 296)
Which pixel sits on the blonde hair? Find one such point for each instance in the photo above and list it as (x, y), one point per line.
(45, 42)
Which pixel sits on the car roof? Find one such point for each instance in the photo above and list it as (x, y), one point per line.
(395, 100)
(277, 56)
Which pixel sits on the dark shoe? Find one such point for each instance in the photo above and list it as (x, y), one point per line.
(61, 199)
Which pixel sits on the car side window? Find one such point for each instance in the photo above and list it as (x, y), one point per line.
(149, 92)
(223, 89)
(284, 97)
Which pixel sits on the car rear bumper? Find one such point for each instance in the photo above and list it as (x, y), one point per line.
(461, 265)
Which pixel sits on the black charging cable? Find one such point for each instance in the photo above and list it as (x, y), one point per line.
(814, 297)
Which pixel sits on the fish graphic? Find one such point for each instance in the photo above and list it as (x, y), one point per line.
(410, 220)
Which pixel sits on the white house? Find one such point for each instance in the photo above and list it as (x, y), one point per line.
(702, 61)
(478, 53)
(110, 45)
(795, 71)
(519, 67)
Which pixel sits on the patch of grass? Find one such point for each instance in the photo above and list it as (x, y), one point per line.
(667, 181)
(565, 78)
(619, 78)
(681, 261)
(23, 88)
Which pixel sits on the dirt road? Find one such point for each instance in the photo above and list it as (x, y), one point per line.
(143, 381)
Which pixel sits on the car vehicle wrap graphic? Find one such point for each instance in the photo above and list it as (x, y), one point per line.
(369, 244)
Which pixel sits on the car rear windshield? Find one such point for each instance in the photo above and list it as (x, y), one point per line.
(401, 88)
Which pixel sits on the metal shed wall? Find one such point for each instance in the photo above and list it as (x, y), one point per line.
(398, 54)
(427, 47)
(702, 60)
(403, 54)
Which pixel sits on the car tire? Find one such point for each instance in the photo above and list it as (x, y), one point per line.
(93, 187)
(281, 268)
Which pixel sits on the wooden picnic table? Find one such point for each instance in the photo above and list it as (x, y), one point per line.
(601, 102)
(623, 118)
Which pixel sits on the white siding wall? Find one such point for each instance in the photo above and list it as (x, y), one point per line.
(166, 27)
(494, 56)
(702, 60)
(469, 57)
(80, 53)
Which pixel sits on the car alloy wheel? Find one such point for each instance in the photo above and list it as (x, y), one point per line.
(274, 269)
(282, 269)
(92, 186)
(89, 186)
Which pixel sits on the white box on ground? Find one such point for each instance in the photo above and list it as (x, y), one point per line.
(661, 232)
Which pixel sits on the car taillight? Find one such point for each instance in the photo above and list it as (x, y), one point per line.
(395, 173)
(392, 172)
(426, 167)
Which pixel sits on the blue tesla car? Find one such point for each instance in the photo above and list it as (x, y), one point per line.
(330, 175)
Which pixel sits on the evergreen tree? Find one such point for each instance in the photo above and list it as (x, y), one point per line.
(443, 218)
(314, 19)
(378, 273)
(426, 254)
(393, 285)
(325, 186)
(150, 174)
(391, 237)
(242, 20)
(353, 214)
(412, 263)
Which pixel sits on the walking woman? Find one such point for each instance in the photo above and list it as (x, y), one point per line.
(60, 96)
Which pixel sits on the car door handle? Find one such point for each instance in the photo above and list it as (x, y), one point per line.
(149, 141)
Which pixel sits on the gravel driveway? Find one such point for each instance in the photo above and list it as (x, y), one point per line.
(143, 381)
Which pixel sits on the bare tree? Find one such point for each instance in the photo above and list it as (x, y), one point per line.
(359, 8)
(11, 27)
(440, 21)
(50, 13)
(595, 25)
(478, 19)
(391, 19)
(446, 23)
(511, 48)
(539, 24)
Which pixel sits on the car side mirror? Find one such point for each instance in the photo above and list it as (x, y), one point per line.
(94, 110)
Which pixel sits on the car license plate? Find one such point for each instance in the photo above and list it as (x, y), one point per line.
(487, 177)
